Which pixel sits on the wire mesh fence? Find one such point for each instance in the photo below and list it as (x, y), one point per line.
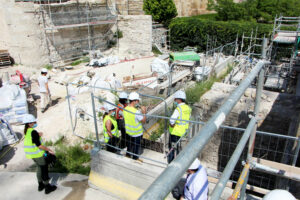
(276, 148)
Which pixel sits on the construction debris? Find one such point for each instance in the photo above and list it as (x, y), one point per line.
(4, 57)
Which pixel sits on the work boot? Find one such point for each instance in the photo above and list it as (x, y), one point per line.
(49, 188)
(41, 186)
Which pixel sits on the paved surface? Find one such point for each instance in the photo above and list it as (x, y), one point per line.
(23, 185)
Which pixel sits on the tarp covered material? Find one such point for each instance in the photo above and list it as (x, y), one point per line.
(185, 56)
(201, 72)
(13, 103)
(160, 66)
(7, 135)
(285, 38)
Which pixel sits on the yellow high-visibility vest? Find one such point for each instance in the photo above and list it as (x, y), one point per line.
(31, 150)
(132, 127)
(115, 131)
(181, 126)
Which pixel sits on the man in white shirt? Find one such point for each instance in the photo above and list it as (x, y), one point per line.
(177, 128)
(196, 186)
(133, 125)
(44, 89)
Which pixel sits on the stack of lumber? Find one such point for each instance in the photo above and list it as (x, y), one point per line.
(4, 58)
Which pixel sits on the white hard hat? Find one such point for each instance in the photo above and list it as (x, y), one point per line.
(195, 164)
(109, 107)
(279, 195)
(123, 95)
(44, 70)
(134, 96)
(28, 118)
(180, 95)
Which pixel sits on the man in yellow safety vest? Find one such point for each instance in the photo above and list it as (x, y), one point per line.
(133, 125)
(178, 128)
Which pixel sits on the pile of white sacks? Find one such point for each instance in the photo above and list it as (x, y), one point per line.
(13, 103)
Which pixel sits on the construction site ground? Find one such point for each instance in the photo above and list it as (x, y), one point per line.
(14, 159)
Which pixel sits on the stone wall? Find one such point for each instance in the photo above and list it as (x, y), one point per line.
(137, 34)
(186, 8)
(21, 33)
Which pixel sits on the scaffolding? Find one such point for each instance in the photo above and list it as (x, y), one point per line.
(286, 31)
(57, 17)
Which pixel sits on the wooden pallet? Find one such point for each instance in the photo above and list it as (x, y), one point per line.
(4, 58)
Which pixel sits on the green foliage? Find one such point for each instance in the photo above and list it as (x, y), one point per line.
(258, 10)
(161, 129)
(81, 60)
(48, 66)
(162, 11)
(193, 94)
(156, 51)
(71, 159)
(193, 31)
(119, 34)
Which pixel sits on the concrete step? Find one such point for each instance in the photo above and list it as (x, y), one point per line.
(20, 185)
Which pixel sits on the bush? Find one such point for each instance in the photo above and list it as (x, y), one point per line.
(162, 11)
(193, 94)
(71, 159)
(254, 10)
(193, 31)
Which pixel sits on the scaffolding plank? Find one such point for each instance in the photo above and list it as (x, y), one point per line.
(82, 24)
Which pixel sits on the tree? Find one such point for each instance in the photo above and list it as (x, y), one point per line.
(162, 11)
(259, 10)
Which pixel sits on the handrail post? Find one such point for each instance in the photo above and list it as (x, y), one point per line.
(95, 120)
(70, 110)
(259, 88)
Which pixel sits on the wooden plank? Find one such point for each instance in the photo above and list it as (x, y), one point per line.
(279, 166)
(231, 185)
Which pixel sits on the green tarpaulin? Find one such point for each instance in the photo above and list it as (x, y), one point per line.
(185, 56)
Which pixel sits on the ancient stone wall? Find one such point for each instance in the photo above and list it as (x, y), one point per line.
(22, 34)
(137, 34)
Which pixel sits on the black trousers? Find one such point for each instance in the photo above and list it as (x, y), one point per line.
(173, 140)
(121, 126)
(114, 141)
(134, 146)
(42, 170)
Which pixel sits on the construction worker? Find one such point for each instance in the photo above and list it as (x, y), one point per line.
(35, 150)
(123, 97)
(133, 125)
(110, 128)
(178, 128)
(279, 195)
(196, 186)
(44, 89)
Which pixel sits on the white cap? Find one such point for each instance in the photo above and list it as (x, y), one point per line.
(134, 96)
(123, 95)
(195, 164)
(279, 195)
(44, 70)
(180, 95)
(109, 107)
(28, 118)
